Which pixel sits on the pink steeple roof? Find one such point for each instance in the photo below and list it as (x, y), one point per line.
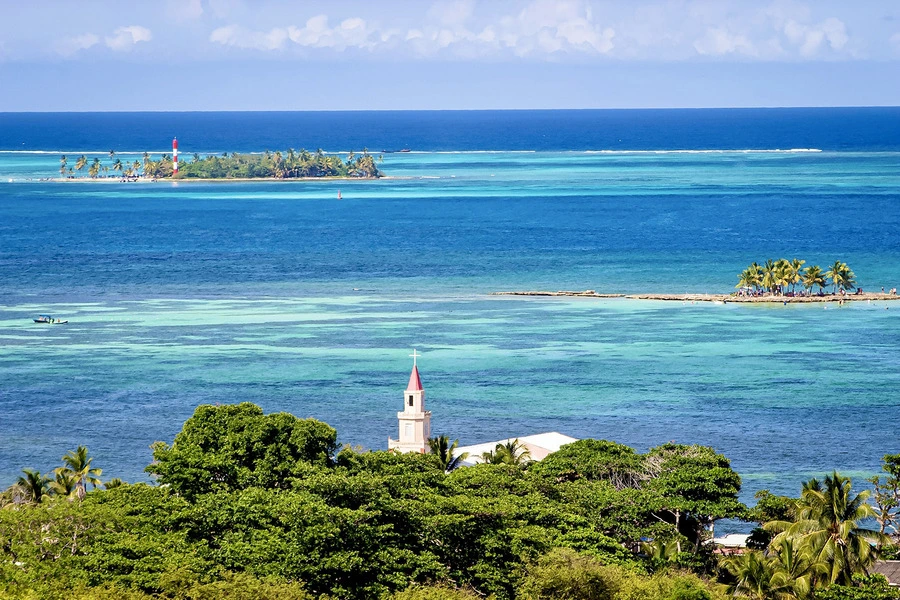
(415, 384)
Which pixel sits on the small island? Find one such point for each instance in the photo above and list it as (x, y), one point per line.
(773, 281)
(234, 166)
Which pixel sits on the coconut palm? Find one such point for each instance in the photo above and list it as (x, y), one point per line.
(841, 276)
(751, 277)
(33, 486)
(754, 577)
(117, 166)
(81, 163)
(65, 483)
(113, 483)
(94, 169)
(796, 265)
(768, 276)
(112, 155)
(849, 278)
(513, 452)
(795, 568)
(62, 165)
(79, 464)
(813, 276)
(444, 450)
(782, 274)
(828, 522)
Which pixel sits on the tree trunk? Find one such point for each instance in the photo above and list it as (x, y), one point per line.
(678, 530)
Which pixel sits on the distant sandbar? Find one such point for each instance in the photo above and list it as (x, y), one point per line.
(723, 298)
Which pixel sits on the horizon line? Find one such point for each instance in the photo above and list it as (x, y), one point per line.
(375, 110)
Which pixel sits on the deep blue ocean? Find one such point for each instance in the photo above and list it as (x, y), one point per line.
(278, 293)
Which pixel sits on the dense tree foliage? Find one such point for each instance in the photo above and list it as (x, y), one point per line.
(779, 276)
(266, 506)
(272, 165)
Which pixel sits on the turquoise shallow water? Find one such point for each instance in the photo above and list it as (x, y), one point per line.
(275, 293)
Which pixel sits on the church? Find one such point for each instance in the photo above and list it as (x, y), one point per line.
(415, 428)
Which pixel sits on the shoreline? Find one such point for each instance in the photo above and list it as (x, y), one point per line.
(208, 180)
(719, 298)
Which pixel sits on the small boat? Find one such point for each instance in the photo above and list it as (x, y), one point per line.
(49, 320)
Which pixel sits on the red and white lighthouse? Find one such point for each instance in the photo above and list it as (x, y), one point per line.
(175, 156)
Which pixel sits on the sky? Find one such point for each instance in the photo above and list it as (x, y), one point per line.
(182, 55)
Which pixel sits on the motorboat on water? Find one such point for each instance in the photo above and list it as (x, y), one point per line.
(49, 320)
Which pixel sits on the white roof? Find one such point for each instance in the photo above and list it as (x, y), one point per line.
(539, 445)
(732, 540)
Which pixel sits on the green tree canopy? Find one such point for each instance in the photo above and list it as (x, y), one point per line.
(237, 446)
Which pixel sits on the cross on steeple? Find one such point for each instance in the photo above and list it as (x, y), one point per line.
(415, 355)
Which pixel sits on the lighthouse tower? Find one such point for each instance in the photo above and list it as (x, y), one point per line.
(415, 421)
(174, 156)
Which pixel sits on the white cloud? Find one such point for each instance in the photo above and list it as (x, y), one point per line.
(555, 29)
(124, 38)
(349, 33)
(542, 27)
(809, 39)
(71, 45)
(719, 41)
(240, 37)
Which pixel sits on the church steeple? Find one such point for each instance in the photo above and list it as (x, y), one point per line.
(414, 420)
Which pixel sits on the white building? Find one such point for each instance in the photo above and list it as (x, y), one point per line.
(539, 446)
(415, 429)
(415, 421)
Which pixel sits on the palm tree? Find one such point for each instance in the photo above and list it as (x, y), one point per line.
(796, 266)
(112, 155)
(795, 568)
(78, 463)
(768, 275)
(33, 485)
(146, 158)
(94, 169)
(117, 166)
(81, 163)
(841, 276)
(829, 522)
(444, 450)
(114, 483)
(750, 277)
(65, 484)
(513, 452)
(754, 575)
(813, 276)
(782, 274)
(849, 278)
(62, 165)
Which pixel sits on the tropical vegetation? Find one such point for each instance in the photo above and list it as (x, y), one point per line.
(817, 545)
(782, 276)
(272, 165)
(249, 505)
